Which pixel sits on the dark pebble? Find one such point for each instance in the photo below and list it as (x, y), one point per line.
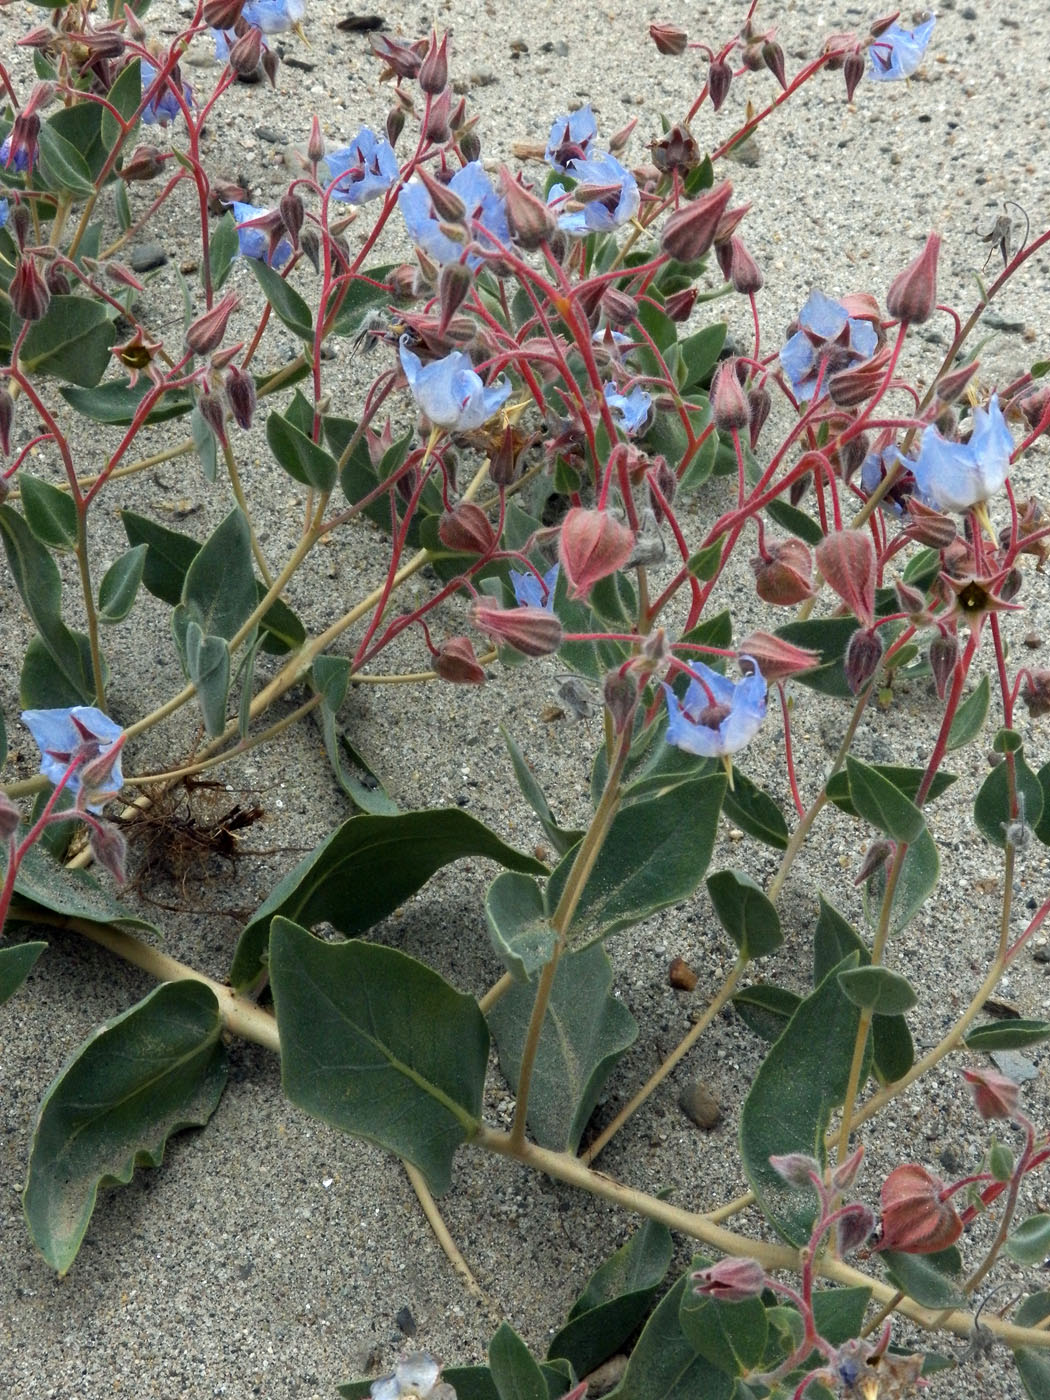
(146, 256)
(699, 1104)
(271, 134)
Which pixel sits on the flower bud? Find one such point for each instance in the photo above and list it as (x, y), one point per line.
(853, 1227)
(690, 231)
(796, 1169)
(994, 1094)
(57, 280)
(944, 655)
(928, 526)
(532, 631)
(621, 309)
(433, 71)
(679, 305)
(719, 77)
(448, 207)
(28, 291)
(773, 58)
(846, 1173)
(915, 1220)
(669, 39)
(863, 657)
(759, 403)
(21, 224)
(109, 848)
(775, 658)
(7, 419)
(240, 395)
(210, 408)
(144, 163)
(951, 386)
(207, 331)
(436, 125)
(877, 857)
(784, 576)
(222, 14)
(730, 1280)
(270, 65)
(454, 284)
(246, 52)
(467, 530)
(592, 544)
(728, 401)
(848, 561)
(913, 292)
(620, 694)
(456, 663)
(395, 124)
(744, 273)
(470, 145)
(852, 72)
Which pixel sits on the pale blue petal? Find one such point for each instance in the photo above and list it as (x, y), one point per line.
(822, 316)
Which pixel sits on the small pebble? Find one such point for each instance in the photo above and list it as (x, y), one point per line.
(681, 975)
(144, 257)
(271, 134)
(699, 1104)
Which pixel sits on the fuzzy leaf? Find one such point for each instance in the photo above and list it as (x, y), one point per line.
(379, 1046)
(146, 1074)
(664, 1365)
(745, 913)
(585, 1032)
(71, 341)
(928, 1278)
(520, 930)
(119, 588)
(16, 963)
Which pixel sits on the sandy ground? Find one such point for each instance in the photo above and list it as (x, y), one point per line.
(270, 1256)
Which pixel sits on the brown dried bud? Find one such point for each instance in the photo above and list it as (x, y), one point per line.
(719, 78)
(240, 395)
(669, 39)
(759, 403)
(944, 656)
(689, 233)
(28, 291)
(785, 575)
(210, 408)
(456, 662)
(679, 305)
(620, 693)
(470, 145)
(913, 292)
(395, 124)
(467, 530)
(144, 163)
(1036, 693)
(863, 658)
(928, 526)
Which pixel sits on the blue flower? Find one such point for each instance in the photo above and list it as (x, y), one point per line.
(570, 139)
(450, 392)
(717, 716)
(3, 212)
(363, 170)
(897, 52)
(19, 163)
(273, 16)
(958, 475)
(529, 592)
(80, 732)
(631, 409)
(485, 211)
(823, 333)
(618, 202)
(253, 235)
(165, 105)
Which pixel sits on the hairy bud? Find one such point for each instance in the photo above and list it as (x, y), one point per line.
(433, 71)
(719, 78)
(532, 631)
(28, 291)
(729, 406)
(456, 663)
(240, 395)
(689, 233)
(207, 331)
(467, 530)
(863, 657)
(913, 292)
(592, 544)
(669, 39)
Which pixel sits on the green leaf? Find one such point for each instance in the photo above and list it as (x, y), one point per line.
(926, 1277)
(970, 716)
(1006, 1035)
(72, 341)
(919, 871)
(561, 838)
(49, 512)
(795, 522)
(829, 636)
(16, 963)
(766, 1009)
(123, 96)
(208, 667)
(800, 1083)
(1033, 1310)
(905, 780)
(520, 930)
(218, 591)
(516, 1374)
(297, 453)
(382, 860)
(367, 289)
(1030, 1242)
(878, 989)
(44, 887)
(61, 164)
(700, 352)
(379, 1046)
(206, 443)
(223, 245)
(882, 804)
(893, 1052)
(146, 1074)
(1033, 1367)
(42, 686)
(991, 810)
(838, 1313)
(732, 1336)
(38, 581)
(750, 919)
(664, 1364)
(287, 304)
(585, 1032)
(117, 401)
(754, 812)
(615, 1300)
(119, 588)
(655, 854)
